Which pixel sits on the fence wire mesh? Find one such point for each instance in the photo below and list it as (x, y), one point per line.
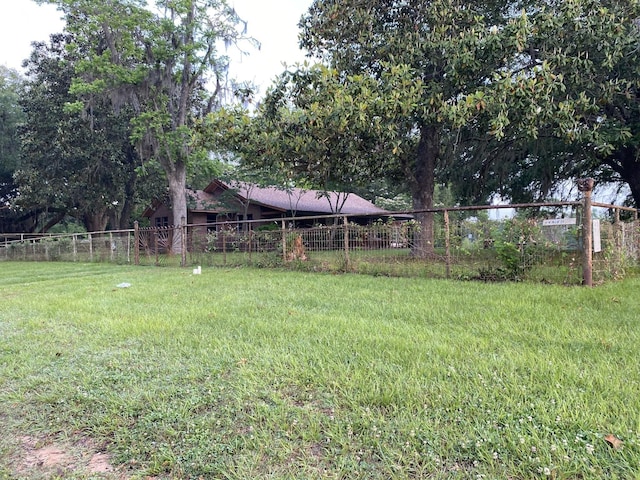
(525, 243)
(116, 247)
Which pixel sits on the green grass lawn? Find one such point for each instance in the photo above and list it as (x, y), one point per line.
(249, 373)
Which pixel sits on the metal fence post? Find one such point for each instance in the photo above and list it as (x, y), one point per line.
(224, 244)
(136, 243)
(447, 244)
(585, 185)
(183, 241)
(636, 235)
(284, 241)
(156, 233)
(618, 238)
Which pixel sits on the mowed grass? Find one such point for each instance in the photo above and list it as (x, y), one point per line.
(248, 373)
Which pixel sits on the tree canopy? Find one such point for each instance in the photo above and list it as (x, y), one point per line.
(587, 127)
(11, 116)
(501, 96)
(65, 155)
(163, 61)
(400, 76)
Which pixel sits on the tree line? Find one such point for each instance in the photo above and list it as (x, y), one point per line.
(399, 99)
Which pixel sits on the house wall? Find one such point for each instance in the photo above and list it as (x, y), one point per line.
(162, 217)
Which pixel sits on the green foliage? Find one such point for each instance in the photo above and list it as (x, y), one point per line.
(66, 154)
(11, 116)
(157, 60)
(401, 77)
(571, 110)
(68, 225)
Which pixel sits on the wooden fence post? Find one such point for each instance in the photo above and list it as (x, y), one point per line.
(585, 185)
(346, 244)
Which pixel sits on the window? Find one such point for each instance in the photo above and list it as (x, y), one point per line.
(162, 222)
(211, 219)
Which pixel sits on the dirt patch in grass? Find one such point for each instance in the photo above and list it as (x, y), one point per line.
(43, 459)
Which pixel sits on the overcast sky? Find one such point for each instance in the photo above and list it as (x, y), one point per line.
(274, 23)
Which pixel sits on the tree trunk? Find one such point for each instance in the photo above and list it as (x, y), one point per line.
(422, 188)
(624, 161)
(96, 221)
(177, 177)
(630, 171)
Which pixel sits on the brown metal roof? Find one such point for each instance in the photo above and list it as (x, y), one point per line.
(201, 201)
(299, 200)
(291, 200)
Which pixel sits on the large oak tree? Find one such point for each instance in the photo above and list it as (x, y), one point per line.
(416, 62)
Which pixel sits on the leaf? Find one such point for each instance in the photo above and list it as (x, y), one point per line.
(613, 441)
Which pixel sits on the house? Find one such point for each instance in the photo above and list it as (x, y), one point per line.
(238, 202)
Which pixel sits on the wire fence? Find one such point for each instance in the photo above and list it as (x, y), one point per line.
(112, 246)
(534, 242)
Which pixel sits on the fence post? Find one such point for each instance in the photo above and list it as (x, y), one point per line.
(585, 185)
(90, 248)
(112, 247)
(136, 243)
(618, 237)
(183, 241)
(224, 244)
(346, 243)
(636, 234)
(156, 234)
(284, 241)
(447, 244)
